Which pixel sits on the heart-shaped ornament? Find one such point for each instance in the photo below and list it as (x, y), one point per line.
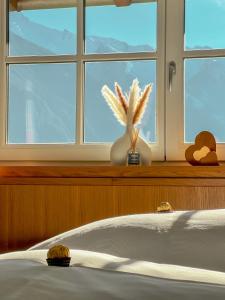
(122, 2)
(203, 152)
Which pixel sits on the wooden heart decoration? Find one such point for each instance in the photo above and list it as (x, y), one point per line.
(122, 2)
(203, 152)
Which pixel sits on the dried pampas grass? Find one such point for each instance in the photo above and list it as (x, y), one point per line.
(115, 105)
(142, 104)
(128, 109)
(121, 97)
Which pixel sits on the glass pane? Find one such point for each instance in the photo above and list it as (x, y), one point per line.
(42, 104)
(42, 32)
(100, 124)
(204, 97)
(204, 24)
(112, 29)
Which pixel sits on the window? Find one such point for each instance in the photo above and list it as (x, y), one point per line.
(55, 56)
(196, 101)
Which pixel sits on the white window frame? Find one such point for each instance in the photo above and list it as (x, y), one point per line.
(175, 146)
(78, 151)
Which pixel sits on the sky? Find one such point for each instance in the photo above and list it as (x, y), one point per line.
(205, 23)
(136, 24)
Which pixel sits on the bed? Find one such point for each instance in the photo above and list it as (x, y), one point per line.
(179, 255)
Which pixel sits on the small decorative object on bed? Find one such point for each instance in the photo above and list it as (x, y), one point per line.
(129, 111)
(203, 152)
(164, 207)
(58, 255)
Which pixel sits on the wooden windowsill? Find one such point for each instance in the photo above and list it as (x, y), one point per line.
(75, 170)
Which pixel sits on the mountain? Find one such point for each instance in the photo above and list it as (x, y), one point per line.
(49, 39)
(42, 96)
(95, 44)
(205, 97)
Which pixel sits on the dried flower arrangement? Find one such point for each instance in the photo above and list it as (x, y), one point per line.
(128, 109)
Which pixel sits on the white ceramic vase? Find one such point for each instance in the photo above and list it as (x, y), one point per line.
(120, 148)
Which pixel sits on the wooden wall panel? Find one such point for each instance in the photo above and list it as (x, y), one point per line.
(192, 198)
(97, 202)
(181, 198)
(33, 209)
(38, 212)
(212, 197)
(62, 211)
(135, 199)
(144, 199)
(26, 215)
(4, 232)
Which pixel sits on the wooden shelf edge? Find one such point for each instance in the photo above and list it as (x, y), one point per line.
(111, 172)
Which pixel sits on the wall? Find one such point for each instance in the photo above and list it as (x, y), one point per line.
(39, 203)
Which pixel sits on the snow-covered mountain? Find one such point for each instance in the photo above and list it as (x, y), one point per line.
(42, 97)
(205, 97)
(48, 39)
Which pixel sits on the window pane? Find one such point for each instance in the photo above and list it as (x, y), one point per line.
(100, 123)
(42, 32)
(204, 97)
(42, 103)
(204, 24)
(111, 29)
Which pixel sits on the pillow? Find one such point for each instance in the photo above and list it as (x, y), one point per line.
(188, 238)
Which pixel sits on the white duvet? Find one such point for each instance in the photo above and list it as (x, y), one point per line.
(99, 276)
(175, 256)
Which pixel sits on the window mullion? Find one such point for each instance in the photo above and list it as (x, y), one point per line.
(204, 53)
(161, 25)
(41, 59)
(120, 56)
(3, 74)
(174, 98)
(80, 74)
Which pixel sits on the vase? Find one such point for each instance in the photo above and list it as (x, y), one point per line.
(121, 147)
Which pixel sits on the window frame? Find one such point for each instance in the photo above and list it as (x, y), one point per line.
(175, 31)
(78, 151)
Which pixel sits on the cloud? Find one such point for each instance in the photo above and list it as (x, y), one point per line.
(221, 3)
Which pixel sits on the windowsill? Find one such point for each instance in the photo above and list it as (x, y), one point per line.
(105, 170)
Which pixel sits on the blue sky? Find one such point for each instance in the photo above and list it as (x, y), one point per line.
(54, 18)
(136, 24)
(205, 23)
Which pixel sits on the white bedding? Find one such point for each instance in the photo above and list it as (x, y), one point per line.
(188, 238)
(174, 256)
(98, 276)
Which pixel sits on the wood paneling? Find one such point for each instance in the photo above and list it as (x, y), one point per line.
(4, 222)
(62, 209)
(96, 202)
(35, 208)
(34, 213)
(135, 199)
(25, 215)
